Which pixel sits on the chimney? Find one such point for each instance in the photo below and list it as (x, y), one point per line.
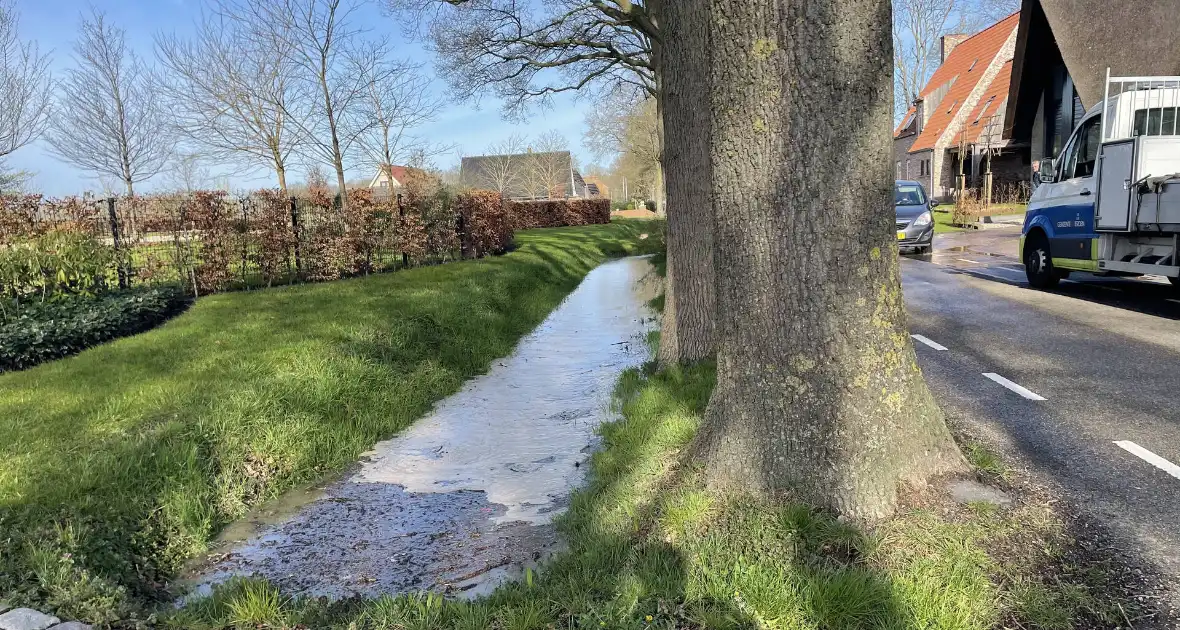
(920, 114)
(950, 41)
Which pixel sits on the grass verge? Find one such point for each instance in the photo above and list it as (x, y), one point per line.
(119, 464)
(649, 547)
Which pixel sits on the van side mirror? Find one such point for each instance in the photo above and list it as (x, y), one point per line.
(933, 203)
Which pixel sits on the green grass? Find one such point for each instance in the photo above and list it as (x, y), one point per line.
(649, 547)
(119, 464)
(942, 222)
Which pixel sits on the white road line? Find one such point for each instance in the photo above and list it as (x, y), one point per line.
(927, 341)
(1149, 457)
(973, 262)
(1176, 301)
(1013, 386)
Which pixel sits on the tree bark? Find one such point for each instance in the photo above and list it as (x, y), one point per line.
(686, 334)
(818, 393)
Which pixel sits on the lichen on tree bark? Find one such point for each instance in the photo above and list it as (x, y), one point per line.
(818, 393)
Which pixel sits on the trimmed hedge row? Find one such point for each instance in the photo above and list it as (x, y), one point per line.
(486, 228)
(525, 215)
(69, 325)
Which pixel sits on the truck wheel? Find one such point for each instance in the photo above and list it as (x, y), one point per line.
(1038, 264)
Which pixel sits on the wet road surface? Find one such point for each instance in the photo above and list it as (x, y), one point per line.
(1078, 385)
(465, 497)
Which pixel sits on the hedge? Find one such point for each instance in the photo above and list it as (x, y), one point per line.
(70, 324)
(526, 215)
(485, 225)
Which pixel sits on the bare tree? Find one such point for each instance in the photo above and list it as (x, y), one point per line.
(108, 120)
(232, 96)
(525, 52)
(188, 171)
(25, 86)
(547, 166)
(630, 132)
(917, 27)
(398, 99)
(319, 38)
(503, 167)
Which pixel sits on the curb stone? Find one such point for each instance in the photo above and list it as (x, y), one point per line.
(29, 619)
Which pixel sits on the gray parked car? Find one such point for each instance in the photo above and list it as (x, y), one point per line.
(915, 220)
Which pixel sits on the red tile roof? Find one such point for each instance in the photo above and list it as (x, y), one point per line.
(397, 172)
(990, 104)
(964, 66)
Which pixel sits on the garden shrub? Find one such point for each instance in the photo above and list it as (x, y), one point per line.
(526, 215)
(486, 227)
(67, 325)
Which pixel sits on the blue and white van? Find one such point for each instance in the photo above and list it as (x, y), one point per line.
(1110, 204)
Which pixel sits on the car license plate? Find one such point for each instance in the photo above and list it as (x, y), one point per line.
(901, 235)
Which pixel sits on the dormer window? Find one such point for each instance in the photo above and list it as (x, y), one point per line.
(983, 110)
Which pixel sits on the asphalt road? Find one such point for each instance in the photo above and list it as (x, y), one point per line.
(1084, 381)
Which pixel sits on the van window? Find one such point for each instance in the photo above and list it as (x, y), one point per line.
(1160, 121)
(908, 195)
(1081, 154)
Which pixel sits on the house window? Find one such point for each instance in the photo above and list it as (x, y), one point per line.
(983, 109)
(385, 184)
(897, 170)
(922, 168)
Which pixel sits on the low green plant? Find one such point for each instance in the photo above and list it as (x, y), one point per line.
(69, 324)
(53, 263)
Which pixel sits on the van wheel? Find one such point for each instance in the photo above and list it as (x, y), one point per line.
(1038, 264)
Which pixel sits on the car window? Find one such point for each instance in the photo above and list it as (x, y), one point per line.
(908, 195)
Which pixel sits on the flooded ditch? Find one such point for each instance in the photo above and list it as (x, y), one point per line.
(464, 498)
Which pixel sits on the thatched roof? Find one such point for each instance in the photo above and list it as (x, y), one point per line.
(1132, 38)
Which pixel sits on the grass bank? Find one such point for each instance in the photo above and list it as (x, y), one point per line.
(649, 547)
(119, 464)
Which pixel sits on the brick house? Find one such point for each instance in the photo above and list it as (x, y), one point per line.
(959, 115)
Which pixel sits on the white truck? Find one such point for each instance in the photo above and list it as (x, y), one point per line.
(1110, 203)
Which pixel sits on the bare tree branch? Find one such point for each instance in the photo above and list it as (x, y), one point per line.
(25, 85)
(230, 96)
(525, 52)
(547, 166)
(108, 120)
(397, 100)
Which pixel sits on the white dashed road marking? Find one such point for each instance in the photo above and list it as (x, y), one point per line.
(1149, 457)
(1013, 386)
(932, 344)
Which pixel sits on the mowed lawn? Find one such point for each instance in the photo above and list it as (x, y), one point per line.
(119, 464)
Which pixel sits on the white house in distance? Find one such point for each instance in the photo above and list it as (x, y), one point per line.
(388, 177)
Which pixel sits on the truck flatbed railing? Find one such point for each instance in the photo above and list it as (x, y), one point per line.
(1140, 106)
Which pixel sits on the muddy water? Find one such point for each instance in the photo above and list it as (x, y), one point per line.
(465, 497)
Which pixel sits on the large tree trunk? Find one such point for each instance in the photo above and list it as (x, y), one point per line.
(818, 393)
(687, 331)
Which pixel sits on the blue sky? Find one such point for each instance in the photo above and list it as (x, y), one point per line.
(52, 23)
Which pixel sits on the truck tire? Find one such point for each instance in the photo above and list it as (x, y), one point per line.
(1038, 264)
